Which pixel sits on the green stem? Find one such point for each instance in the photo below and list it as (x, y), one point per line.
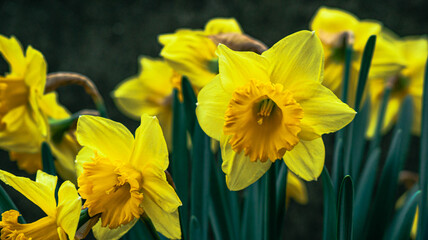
(270, 204)
(376, 139)
(150, 226)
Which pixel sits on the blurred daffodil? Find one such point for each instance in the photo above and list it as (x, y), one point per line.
(336, 29)
(150, 93)
(409, 81)
(295, 190)
(121, 177)
(271, 106)
(61, 219)
(25, 112)
(192, 52)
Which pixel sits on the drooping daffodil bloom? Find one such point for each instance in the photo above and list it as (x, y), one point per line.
(25, 112)
(150, 93)
(271, 106)
(121, 177)
(336, 29)
(192, 52)
(407, 82)
(62, 218)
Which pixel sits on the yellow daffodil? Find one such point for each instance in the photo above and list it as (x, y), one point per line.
(409, 81)
(121, 177)
(271, 106)
(192, 52)
(25, 110)
(150, 93)
(61, 219)
(21, 89)
(335, 27)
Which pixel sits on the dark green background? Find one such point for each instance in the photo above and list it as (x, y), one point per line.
(103, 40)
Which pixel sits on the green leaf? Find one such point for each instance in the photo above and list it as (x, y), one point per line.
(59, 127)
(195, 228)
(383, 206)
(180, 160)
(47, 159)
(270, 231)
(189, 99)
(200, 184)
(6, 204)
(221, 212)
(345, 209)
(251, 228)
(376, 138)
(364, 193)
(364, 70)
(138, 231)
(83, 218)
(337, 172)
(346, 71)
(423, 169)
(359, 142)
(330, 217)
(404, 123)
(403, 220)
(281, 190)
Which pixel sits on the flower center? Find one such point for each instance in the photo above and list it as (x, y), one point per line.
(44, 228)
(263, 120)
(266, 107)
(112, 190)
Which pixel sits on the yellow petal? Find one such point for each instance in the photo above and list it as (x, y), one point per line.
(13, 54)
(212, 104)
(30, 162)
(39, 193)
(387, 58)
(323, 112)
(166, 223)
(101, 232)
(158, 189)
(19, 126)
(238, 68)
(362, 31)
(296, 189)
(222, 25)
(150, 147)
(69, 206)
(333, 20)
(65, 153)
(189, 55)
(134, 99)
(306, 160)
(415, 50)
(35, 76)
(296, 58)
(85, 154)
(46, 179)
(240, 171)
(109, 138)
(51, 107)
(156, 75)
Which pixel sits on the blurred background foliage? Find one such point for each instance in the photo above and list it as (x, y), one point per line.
(103, 40)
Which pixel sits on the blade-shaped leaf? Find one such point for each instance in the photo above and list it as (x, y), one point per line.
(345, 209)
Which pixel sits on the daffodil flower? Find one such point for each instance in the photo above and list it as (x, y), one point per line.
(335, 28)
(61, 219)
(407, 82)
(25, 110)
(192, 52)
(121, 177)
(150, 93)
(271, 106)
